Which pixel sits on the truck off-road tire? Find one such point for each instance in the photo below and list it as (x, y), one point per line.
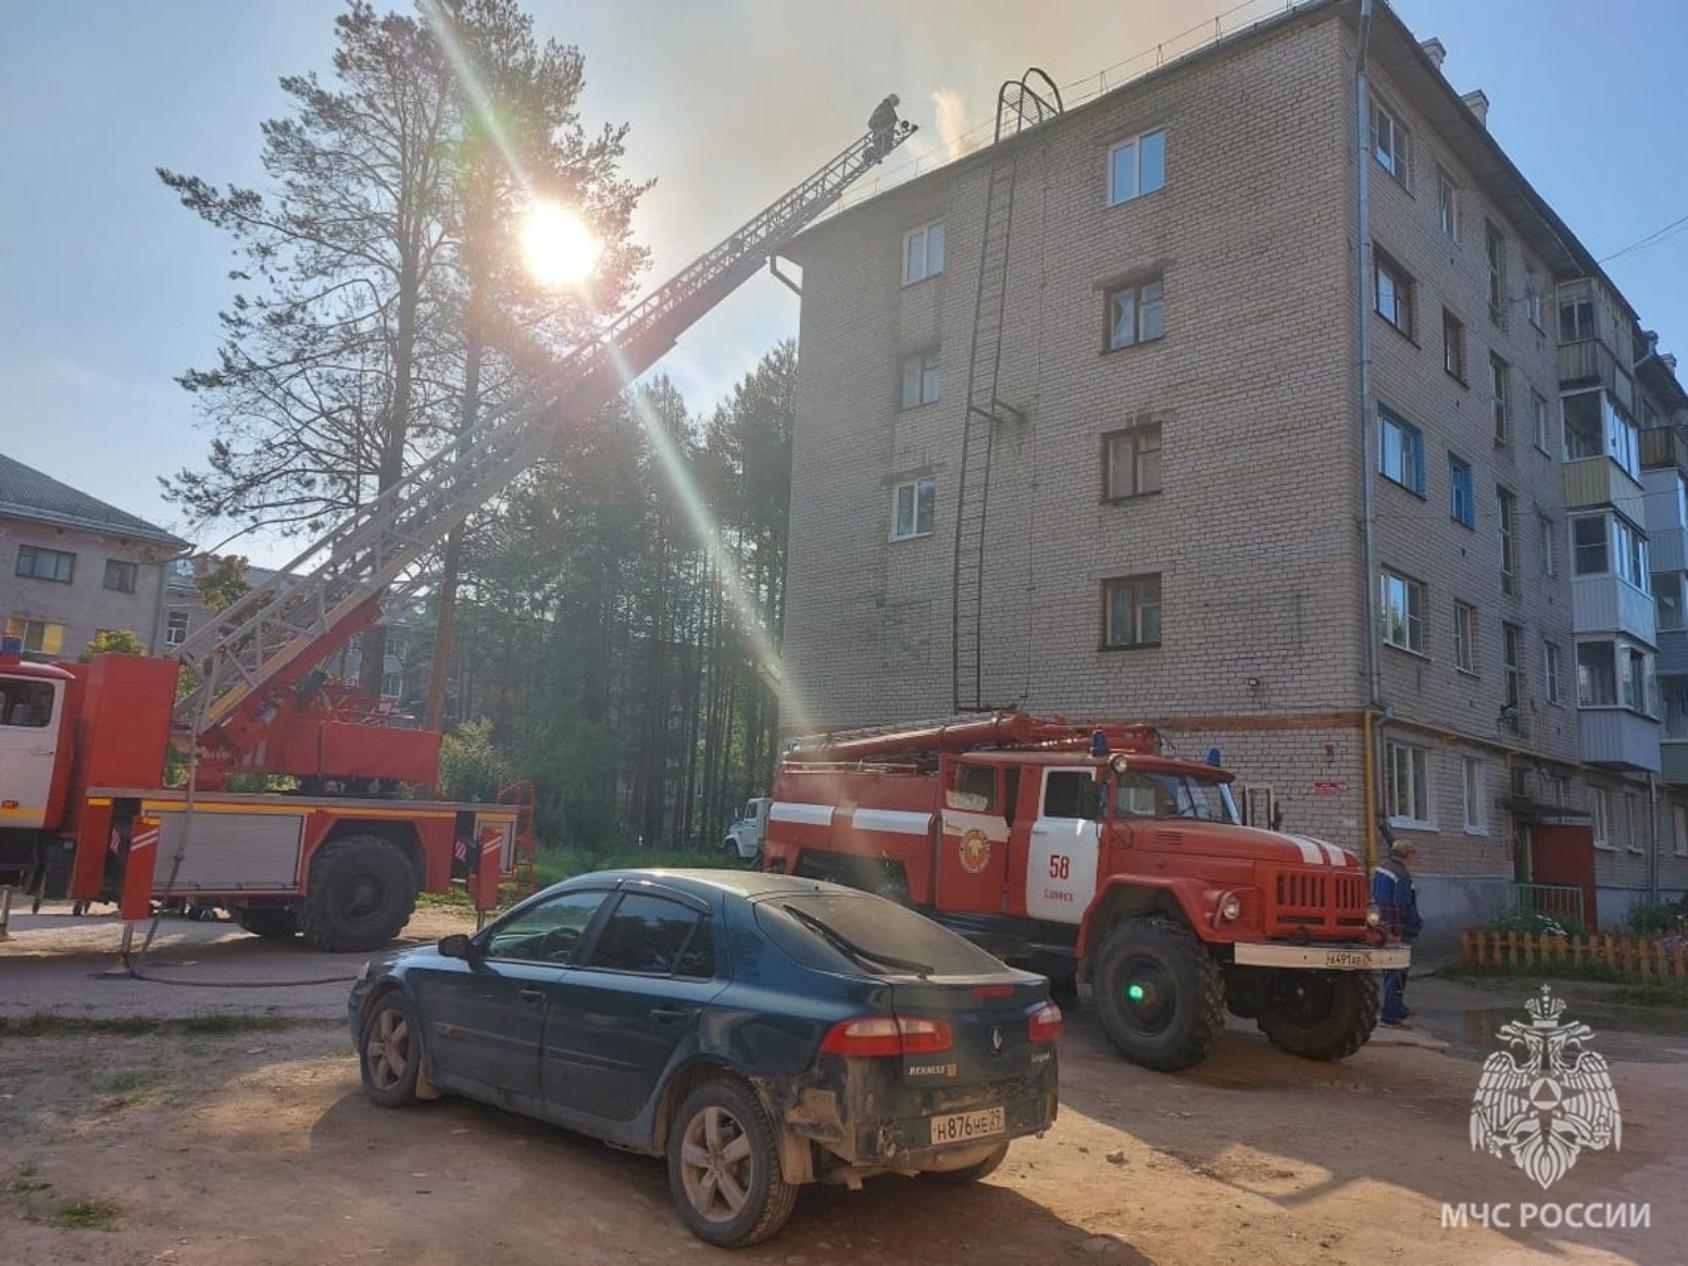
(1320, 1014)
(273, 923)
(361, 892)
(724, 1166)
(1159, 993)
(390, 1051)
(971, 1173)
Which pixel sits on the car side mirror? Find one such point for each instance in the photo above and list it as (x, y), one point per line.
(457, 945)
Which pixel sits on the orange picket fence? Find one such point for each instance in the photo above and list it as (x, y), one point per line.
(1631, 957)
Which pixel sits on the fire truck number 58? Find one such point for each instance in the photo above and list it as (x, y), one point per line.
(1060, 866)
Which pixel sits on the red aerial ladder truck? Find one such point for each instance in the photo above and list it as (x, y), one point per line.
(84, 810)
(1086, 852)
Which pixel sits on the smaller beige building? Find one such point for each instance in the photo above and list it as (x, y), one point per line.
(72, 566)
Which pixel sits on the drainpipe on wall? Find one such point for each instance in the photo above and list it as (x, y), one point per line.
(1368, 510)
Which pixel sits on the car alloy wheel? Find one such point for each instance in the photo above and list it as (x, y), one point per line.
(388, 1048)
(715, 1163)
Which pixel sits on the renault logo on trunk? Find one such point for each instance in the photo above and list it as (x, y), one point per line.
(996, 1041)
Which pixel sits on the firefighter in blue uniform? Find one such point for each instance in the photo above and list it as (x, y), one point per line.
(1397, 901)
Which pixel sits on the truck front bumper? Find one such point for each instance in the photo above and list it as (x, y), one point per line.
(1325, 957)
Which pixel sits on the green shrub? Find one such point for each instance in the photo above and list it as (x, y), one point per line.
(1647, 917)
(1535, 923)
(472, 768)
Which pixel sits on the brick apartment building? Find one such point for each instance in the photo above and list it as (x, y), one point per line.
(72, 565)
(1085, 425)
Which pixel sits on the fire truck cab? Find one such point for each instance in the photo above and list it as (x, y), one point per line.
(1111, 863)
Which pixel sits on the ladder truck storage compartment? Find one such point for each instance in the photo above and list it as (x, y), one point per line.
(1086, 852)
(84, 806)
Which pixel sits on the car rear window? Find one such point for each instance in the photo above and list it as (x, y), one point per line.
(875, 925)
(644, 934)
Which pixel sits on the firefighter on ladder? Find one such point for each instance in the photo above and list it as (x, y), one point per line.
(882, 123)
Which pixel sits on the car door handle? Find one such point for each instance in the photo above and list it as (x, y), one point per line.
(42, 751)
(671, 1015)
(533, 997)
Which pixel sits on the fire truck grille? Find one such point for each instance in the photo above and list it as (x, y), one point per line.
(1315, 901)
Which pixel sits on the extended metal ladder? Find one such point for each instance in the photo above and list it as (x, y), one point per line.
(1018, 107)
(282, 620)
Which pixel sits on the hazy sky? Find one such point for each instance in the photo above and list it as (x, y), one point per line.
(108, 288)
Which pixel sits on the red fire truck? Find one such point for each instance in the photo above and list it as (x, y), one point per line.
(1088, 853)
(84, 805)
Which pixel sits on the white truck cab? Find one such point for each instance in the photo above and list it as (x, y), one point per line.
(744, 837)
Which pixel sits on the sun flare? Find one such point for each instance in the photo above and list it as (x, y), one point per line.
(557, 247)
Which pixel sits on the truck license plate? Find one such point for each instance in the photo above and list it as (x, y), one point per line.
(1347, 958)
(964, 1127)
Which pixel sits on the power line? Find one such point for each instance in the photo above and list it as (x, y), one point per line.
(1652, 239)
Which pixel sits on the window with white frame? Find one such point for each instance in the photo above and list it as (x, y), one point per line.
(1512, 660)
(1403, 611)
(1407, 785)
(1636, 812)
(1390, 144)
(1541, 421)
(1667, 600)
(923, 380)
(176, 626)
(1131, 611)
(1400, 451)
(1392, 292)
(1506, 506)
(1600, 816)
(1471, 795)
(1679, 829)
(1465, 637)
(1447, 203)
(1136, 313)
(1553, 668)
(1494, 246)
(1133, 462)
(1500, 397)
(1136, 166)
(1532, 294)
(923, 252)
(1453, 345)
(1545, 537)
(913, 508)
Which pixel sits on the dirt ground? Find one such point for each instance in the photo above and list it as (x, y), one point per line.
(259, 1147)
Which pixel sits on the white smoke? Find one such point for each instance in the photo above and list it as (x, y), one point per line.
(949, 112)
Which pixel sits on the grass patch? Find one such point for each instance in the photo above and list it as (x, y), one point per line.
(26, 1178)
(126, 1082)
(52, 1024)
(87, 1215)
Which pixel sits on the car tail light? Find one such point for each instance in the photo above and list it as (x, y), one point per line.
(874, 1035)
(1045, 1023)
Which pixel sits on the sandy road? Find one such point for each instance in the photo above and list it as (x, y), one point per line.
(258, 1147)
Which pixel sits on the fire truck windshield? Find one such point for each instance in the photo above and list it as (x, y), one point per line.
(1143, 793)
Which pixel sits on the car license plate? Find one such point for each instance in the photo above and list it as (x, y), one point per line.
(964, 1127)
(1347, 958)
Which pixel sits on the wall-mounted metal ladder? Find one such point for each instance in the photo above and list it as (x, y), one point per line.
(1019, 106)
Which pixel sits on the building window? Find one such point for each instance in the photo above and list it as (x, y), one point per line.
(1635, 680)
(1131, 612)
(1471, 796)
(913, 507)
(1392, 292)
(1136, 167)
(1679, 830)
(1542, 424)
(1532, 294)
(922, 379)
(1512, 649)
(1500, 380)
(1136, 314)
(1453, 345)
(1132, 462)
(1552, 669)
(120, 575)
(923, 253)
(176, 626)
(1597, 675)
(1400, 454)
(1588, 545)
(1667, 600)
(1447, 204)
(1407, 789)
(42, 637)
(1600, 816)
(1465, 637)
(1544, 535)
(1495, 249)
(39, 563)
(1403, 611)
(1576, 312)
(1462, 498)
(1390, 144)
(1507, 504)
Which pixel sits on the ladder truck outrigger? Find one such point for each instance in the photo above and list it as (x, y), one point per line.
(84, 808)
(1086, 852)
